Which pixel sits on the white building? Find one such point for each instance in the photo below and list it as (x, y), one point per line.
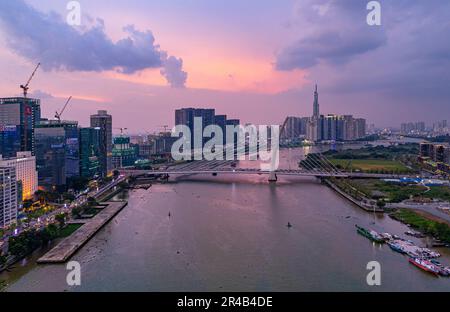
(8, 196)
(25, 165)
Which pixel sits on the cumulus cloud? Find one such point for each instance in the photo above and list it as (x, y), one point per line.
(47, 38)
(173, 72)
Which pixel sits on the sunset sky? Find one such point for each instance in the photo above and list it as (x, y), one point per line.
(256, 60)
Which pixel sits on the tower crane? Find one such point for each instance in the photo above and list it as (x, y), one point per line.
(58, 115)
(27, 109)
(26, 87)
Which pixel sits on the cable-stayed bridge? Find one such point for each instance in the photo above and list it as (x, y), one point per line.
(314, 165)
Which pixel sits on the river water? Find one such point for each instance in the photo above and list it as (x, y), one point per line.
(229, 233)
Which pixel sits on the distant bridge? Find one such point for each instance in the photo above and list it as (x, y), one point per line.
(315, 165)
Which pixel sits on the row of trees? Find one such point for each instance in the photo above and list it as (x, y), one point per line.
(27, 241)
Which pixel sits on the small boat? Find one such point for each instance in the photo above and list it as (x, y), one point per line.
(289, 225)
(386, 236)
(444, 271)
(425, 265)
(396, 247)
(372, 235)
(447, 270)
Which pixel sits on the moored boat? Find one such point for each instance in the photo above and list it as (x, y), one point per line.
(372, 235)
(396, 247)
(425, 265)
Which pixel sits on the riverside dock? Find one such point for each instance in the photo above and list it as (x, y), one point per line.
(70, 245)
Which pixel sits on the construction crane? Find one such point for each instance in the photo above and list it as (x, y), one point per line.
(58, 115)
(26, 87)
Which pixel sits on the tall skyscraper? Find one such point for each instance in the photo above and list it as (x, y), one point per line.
(104, 121)
(8, 196)
(89, 139)
(293, 128)
(57, 152)
(26, 174)
(221, 121)
(333, 127)
(185, 116)
(316, 110)
(23, 114)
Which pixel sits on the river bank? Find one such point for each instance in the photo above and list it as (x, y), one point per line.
(361, 203)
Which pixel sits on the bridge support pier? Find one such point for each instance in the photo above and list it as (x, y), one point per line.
(273, 177)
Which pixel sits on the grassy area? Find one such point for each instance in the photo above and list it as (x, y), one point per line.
(91, 211)
(439, 192)
(377, 152)
(69, 229)
(398, 159)
(395, 193)
(371, 165)
(423, 224)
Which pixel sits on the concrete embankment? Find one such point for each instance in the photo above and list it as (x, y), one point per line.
(70, 245)
(360, 204)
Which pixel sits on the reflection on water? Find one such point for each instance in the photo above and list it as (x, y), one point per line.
(229, 233)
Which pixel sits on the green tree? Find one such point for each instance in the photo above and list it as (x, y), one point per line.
(3, 260)
(49, 233)
(76, 212)
(92, 201)
(61, 218)
(27, 203)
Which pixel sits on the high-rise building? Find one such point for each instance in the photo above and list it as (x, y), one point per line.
(24, 114)
(161, 145)
(413, 127)
(316, 109)
(103, 121)
(333, 127)
(293, 128)
(438, 152)
(57, 152)
(25, 165)
(221, 121)
(89, 139)
(8, 196)
(10, 140)
(123, 154)
(185, 116)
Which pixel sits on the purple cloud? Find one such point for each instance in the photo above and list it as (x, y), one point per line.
(337, 33)
(47, 38)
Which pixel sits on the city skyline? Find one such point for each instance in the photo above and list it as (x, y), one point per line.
(239, 146)
(264, 73)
